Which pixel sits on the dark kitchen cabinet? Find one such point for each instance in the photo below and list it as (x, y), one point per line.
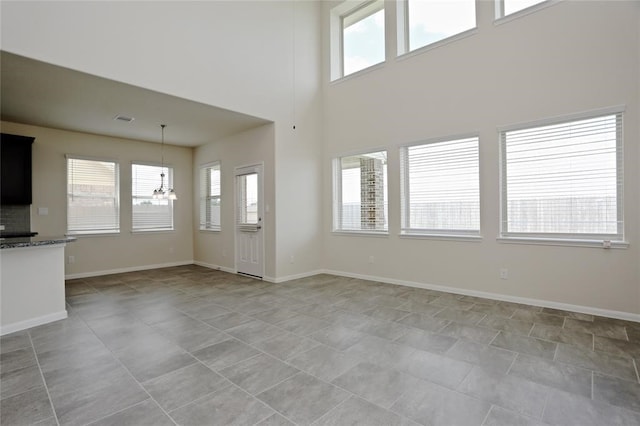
(15, 169)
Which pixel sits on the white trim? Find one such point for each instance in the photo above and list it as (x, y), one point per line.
(33, 322)
(293, 277)
(444, 237)
(359, 72)
(500, 18)
(560, 119)
(129, 269)
(363, 233)
(438, 139)
(436, 44)
(565, 242)
(495, 296)
(214, 266)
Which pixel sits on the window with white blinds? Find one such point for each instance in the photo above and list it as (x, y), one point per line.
(210, 197)
(92, 196)
(440, 188)
(149, 214)
(564, 180)
(360, 193)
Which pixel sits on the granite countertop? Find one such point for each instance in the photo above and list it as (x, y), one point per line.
(7, 243)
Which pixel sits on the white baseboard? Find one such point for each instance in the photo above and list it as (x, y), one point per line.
(216, 267)
(495, 296)
(293, 277)
(33, 322)
(129, 269)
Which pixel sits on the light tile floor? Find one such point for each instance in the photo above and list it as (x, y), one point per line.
(192, 346)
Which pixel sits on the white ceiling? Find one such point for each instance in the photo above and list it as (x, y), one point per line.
(42, 94)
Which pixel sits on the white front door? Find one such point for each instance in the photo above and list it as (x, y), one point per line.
(249, 211)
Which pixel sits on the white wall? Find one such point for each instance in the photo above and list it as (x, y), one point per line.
(567, 58)
(125, 250)
(237, 55)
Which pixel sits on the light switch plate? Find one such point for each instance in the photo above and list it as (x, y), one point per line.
(43, 211)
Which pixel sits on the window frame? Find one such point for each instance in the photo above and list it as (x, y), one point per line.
(338, 14)
(405, 196)
(337, 226)
(568, 239)
(500, 17)
(404, 48)
(205, 196)
(97, 232)
(168, 170)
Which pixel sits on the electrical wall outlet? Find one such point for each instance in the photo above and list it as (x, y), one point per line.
(371, 259)
(72, 259)
(504, 274)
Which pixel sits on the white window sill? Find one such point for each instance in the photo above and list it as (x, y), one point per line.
(152, 231)
(384, 234)
(92, 234)
(444, 237)
(524, 12)
(445, 41)
(210, 230)
(563, 242)
(358, 73)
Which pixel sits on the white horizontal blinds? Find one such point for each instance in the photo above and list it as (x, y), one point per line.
(150, 214)
(441, 188)
(564, 179)
(210, 197)
(92, 196)
(363, 192)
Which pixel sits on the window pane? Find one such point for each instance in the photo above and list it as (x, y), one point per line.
(441, 189)
(512, 6)
(92, 196)
(363, 192)
(248, 198)
(564, 178)
(363, 38)
(149, 214)
(431, 21)
(210, 197)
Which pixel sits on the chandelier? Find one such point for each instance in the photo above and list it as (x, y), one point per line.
(161, 193)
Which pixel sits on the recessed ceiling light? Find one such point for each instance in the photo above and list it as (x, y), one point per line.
(124, 118)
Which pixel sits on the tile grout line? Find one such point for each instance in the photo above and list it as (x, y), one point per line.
(44, 382)
(487, 415)
(286, 362)
(129, 373)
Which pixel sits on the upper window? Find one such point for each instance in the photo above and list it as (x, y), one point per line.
(507, 7)
(148, 213)
(440, 189)
(92, 196)
(564, 180)
(360, 193)
(428, 21)
(210, 197)
(358, 35)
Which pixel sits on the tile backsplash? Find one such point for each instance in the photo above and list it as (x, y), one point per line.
(15, 218)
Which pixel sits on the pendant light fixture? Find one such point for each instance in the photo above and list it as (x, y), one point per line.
(161, 193)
